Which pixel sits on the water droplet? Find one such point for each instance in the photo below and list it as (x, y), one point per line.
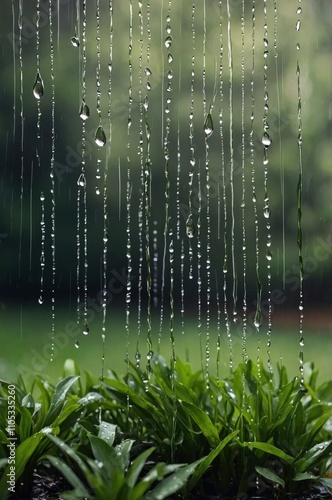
(266, 140)
(147, 71)
(168, 42)
(100, 137)
(42, 196)
(170, 58)
(38, 87)
(269, 255)
(298, 25)
(84, 111)
(77, 344)
(81, 181)
(40, 300)
(302, 341)
(190, 227)
(75, 41)
(299, 10)
(267, 212)
(208, 126)
(170, 74)
(110, 67)
(86, 329)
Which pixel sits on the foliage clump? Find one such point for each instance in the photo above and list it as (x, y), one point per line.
(172, 434)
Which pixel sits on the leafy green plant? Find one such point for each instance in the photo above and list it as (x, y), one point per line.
(173, 434)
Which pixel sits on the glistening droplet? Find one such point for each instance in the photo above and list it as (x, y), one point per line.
(75, 41)
(38, 88)
(266, 140)
(100, 137)
(190, 227)
(208, 126)
(84, 111)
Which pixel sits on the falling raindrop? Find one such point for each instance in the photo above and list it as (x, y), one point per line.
(20, 24)
(208, 126)
(86, 329)
(190, 227)
(129, 269)
(84, 111)
(75, 41)
(38, 87)
(100, 137)
(77, 344)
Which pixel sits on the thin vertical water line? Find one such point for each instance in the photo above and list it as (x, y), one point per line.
(81, 184)
(142, 175)
(147, 202)
(31, 223)
(243, 201)
(58, 15)
(299, 201)
(224, 194)
(231, 147)
(199, 265)
(105, 199)
(52, 178)
(218, 329)
(167, 43)
(129, 271)
(119, 189)
(20, 24)
(42, 249)
(281, 159)
(182, 286)
(14, 71)
(258, 313)
(172, 339)
(267, 141)
(208, 130)
(190, 226)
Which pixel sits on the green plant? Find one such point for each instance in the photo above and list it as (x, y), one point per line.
(172, 434)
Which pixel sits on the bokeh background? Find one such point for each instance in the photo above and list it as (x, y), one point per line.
(25, 326)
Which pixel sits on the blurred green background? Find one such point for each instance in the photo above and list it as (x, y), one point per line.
(24, 324)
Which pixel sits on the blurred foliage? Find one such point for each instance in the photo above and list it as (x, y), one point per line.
(21, 199)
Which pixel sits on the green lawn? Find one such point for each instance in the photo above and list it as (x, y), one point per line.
(26, 343)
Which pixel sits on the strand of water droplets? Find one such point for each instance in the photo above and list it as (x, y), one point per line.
(142, 172)
(105, 195)
(243, 201)
(281, 158)
(267, 141)
(168, 44)
(20, 25)
(182, 286)
(190, 226)
(155, 263)
(299, 199)
(208, 130)
(147, 202)
(224, 194)
(42, 248)
(81, 186)
(129, 271)
(231, 149)
(199, 264)
(38, 92)
(172, 339)
(129, 190)
(218, 328)
(258, 313)
(100, 136)
(52, 177)
(14, 72)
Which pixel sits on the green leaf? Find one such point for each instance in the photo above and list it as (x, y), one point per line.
(305, 476)
(172, 483)
(204, 423)
(25, 423)
(137, 467)
(269, 448)
(58, 398)
(107, 432)
(105, 454)
(69, 474)
(207, 461)
(263, 471)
